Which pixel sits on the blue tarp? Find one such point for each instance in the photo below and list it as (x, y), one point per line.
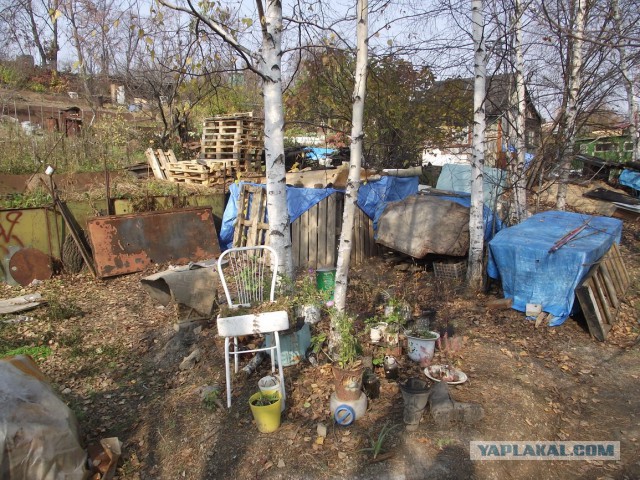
(630, 178)
(374, 196)
(520, 257)
(299, 200)
(457, 178)
(315, 153)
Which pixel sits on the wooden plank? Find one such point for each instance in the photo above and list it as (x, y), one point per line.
(359, 235)
(591, 313)
(608, 283)
(332, 206)
(612, 268)
(154, 164)
(171, 157)
(601, 295)
(615, 250)
(304, 240)
(295, 242)
(323, 233)
(313, 237)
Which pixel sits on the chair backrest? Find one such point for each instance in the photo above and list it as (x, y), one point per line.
(248, 275)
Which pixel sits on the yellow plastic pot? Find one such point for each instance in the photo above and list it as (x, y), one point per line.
(267, 417)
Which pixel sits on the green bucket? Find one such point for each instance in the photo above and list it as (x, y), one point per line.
(326, 280)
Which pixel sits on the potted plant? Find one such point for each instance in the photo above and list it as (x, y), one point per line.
(421, 344)
(347, 368)
(307, 300)
(377, 329)
(266, 409)
(397, 312)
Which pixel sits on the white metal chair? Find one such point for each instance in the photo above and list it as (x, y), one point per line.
(247, 274)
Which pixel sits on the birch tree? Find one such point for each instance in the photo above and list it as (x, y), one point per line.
(518, 179)
(357, 139)
(627, 81)
(572, 102)
(267, 63)
(476, 224)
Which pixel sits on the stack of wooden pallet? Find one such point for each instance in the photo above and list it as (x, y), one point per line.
(236, 137)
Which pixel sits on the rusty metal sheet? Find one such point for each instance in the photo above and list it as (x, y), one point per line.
(130, 243)
(30, 264)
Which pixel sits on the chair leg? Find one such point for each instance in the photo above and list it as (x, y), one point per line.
(235, 356)
(280, 369)
(227, 369)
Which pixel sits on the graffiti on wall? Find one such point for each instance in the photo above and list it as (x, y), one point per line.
(8, 222)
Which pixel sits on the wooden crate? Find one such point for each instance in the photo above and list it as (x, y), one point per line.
(600, 292)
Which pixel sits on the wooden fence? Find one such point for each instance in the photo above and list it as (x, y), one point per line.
(316, 233)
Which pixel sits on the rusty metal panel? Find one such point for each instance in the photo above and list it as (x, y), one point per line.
(30, 264)
(130, 243)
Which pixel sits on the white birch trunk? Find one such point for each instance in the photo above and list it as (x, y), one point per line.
(270, 66)
(357, 136)
(572, 104)
(518, 180)
(476, 225)
(628, 85)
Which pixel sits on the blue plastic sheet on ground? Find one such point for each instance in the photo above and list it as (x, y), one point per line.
(315, 153)
(374, 196)
(457, 178)
(299, 200)
(519, 256)
(630, 178)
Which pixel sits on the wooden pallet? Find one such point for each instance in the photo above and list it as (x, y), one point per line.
(251, 227)
(158, 160)
(601, 292)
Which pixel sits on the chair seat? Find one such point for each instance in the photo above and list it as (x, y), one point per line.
(253, 324)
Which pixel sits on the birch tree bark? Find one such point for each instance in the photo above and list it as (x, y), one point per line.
(267, 63)
(518, 180)
(627, 79)
(476, 225)
(357, 137)
(572, 102)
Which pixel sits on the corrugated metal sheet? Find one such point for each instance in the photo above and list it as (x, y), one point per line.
(130, 243)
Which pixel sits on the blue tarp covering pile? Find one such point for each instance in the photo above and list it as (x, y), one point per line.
(630, 178)
(457, 178)
(373, 198)
(519, 256)
(299, 200)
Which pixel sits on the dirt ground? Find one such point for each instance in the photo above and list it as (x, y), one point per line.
(116, 359)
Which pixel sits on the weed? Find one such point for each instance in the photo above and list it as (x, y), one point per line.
(378, 443)
(444, 442)
(59, 311)
(212, 400)
(37, 353)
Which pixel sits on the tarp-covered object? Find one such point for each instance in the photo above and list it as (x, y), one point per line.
(457, 178)
(630, 178)
(519, 256)
(38, 432)
(373, 197)
(421, 224)
(299, 200)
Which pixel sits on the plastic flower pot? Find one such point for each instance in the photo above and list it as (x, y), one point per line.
(267, 417)
(415, 395)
